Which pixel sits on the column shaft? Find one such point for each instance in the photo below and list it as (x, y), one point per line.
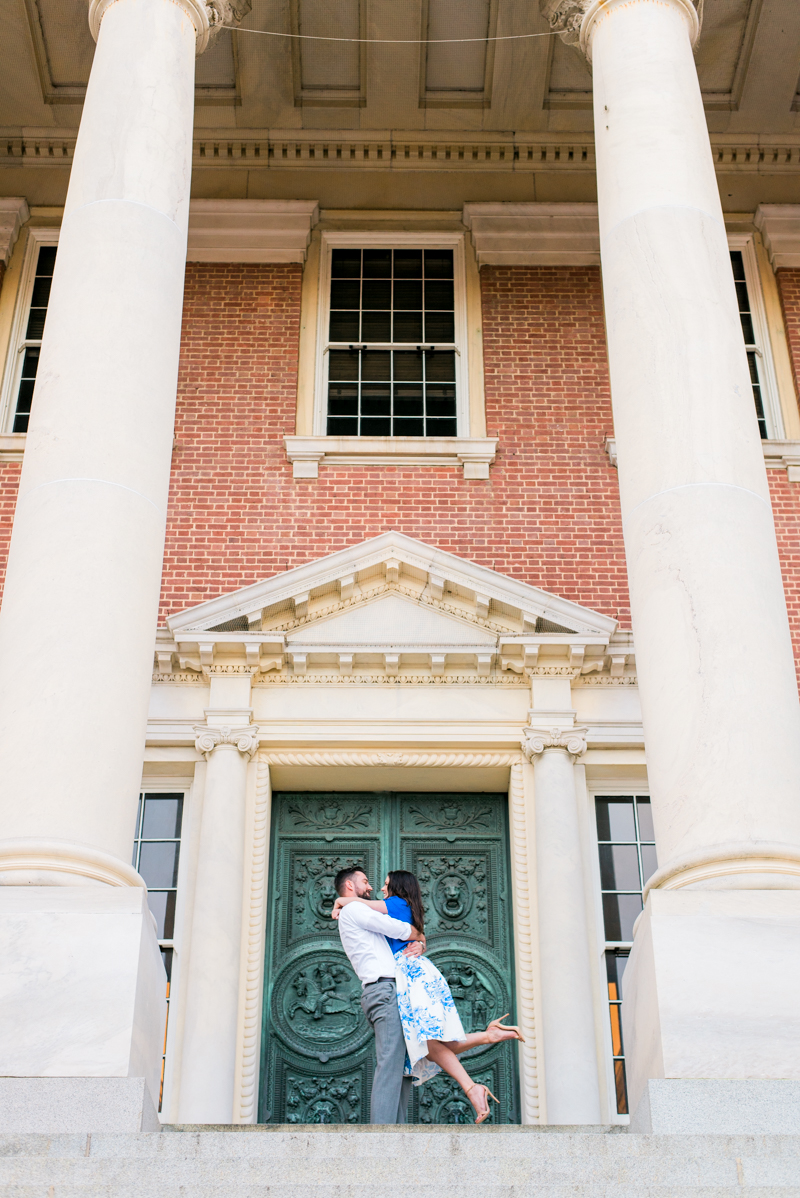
(567, 1019)
(714, 658)
(81, 595)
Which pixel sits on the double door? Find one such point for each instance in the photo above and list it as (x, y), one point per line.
(317, 1048)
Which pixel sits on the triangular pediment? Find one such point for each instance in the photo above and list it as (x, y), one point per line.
(391, 600)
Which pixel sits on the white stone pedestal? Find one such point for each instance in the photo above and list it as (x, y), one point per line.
(64, 1105)
(82, 986)
(721, 1107)
(712, 989)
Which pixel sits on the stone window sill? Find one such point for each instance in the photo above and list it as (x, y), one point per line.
(475, 454)
(12, 447)
(778, 455)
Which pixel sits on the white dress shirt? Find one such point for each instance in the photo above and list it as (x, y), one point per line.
(363, 932)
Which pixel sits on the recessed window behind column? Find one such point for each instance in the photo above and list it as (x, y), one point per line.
(392, 362)
(627, 851)
(34, 330)
(748, 331)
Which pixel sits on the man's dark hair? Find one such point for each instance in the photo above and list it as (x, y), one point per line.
(344, 874)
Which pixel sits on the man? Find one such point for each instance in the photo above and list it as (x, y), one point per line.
(363, 933)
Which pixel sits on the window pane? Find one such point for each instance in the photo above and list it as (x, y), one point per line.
(645, 813)
(440, 367)
(408, 400)
(345, 293)
(409, 295)
(408, 264)
(440, 326)
(375, 399)
(620, 912)
(377, 264)
(158, 863)
(441, 401)
(615, 819)
(376, 365)
(619, 867)
(747, 328)
(737, 263)
(376, 293)
(162, 817)
(408, 428)
(41, 291)
(343, 364)
(47, 260)
(649, 862)
(372, 426)
(407, 366)
(439, 295)
(340, 426)
(376, 326)
(408, 326)
(343, 399)
(621, 1088)
(166, 957)
(438, 264)
(616, 960)
(162, 904)
(441, 428)
(343, 326)
(25, 397)
(346, 264)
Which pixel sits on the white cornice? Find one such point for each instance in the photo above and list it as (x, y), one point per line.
(780, 227)
(475, 454)
(13, 215)
(534, 234)
(250, 230)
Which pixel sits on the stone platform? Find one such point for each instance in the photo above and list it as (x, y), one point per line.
(411, 1162)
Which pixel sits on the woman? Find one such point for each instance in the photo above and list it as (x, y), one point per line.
(432, 1027)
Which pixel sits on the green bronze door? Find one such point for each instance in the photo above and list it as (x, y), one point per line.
(317, 1049)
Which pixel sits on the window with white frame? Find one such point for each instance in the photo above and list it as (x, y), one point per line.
(28, 329)
(392, 338)
(752, 315)
(627, 851)
(156, 854)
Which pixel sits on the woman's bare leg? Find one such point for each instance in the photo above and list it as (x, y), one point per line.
(442, 1055)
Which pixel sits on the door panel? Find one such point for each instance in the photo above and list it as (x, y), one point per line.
(318, 1056)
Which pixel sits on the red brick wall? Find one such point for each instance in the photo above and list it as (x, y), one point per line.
(9, 484)
(549, 515)
(789, 288)
(786, 495)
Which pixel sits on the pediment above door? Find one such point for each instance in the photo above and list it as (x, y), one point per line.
(392, 606)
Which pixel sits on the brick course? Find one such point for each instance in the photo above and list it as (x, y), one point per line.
(549, 514)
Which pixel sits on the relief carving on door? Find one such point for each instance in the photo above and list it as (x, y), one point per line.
(318, 1050)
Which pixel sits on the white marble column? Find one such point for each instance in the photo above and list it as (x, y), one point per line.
(81, 595)
(567, 1022)
(212, 980)
(713, 652)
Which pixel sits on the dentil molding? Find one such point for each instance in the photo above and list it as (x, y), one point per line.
(244, 739)
(536, 741)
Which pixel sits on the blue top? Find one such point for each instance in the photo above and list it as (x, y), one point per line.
(398, 909)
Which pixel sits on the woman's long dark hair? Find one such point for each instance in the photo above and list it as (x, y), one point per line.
(404, 885)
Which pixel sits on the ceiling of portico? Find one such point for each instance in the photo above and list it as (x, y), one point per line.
(525, 104)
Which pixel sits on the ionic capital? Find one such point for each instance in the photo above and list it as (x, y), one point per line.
(244, 739)
(209, 17)
(570, 740)
(572, 20)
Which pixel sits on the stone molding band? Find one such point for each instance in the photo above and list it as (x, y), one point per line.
(38, 862)
(570, 740)
(727, 861)
(388, 758)
(245, 739)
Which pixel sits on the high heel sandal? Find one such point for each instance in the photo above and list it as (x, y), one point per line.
(506, 1027)
(482, 1115)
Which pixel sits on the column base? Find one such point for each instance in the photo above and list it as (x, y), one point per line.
(83, 992)
(710, 993)
(55, 1105)
(718, 1106)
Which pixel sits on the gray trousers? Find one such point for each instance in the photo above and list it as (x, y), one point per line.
(390, 1090)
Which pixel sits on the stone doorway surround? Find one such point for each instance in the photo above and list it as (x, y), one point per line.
(389, 666)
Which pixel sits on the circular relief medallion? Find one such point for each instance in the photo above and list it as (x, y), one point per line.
(478, 990)
(316, 1005)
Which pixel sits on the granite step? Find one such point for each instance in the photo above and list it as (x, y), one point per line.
(410, 1162)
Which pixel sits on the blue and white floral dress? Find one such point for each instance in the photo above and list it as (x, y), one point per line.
(427, 1010)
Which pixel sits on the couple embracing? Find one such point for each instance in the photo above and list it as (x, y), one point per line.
(407, 1002)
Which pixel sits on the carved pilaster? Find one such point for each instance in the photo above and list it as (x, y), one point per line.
(243, 739)
(536, 740)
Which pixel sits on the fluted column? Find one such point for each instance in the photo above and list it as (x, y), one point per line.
(212, 980)
(567, 1024)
